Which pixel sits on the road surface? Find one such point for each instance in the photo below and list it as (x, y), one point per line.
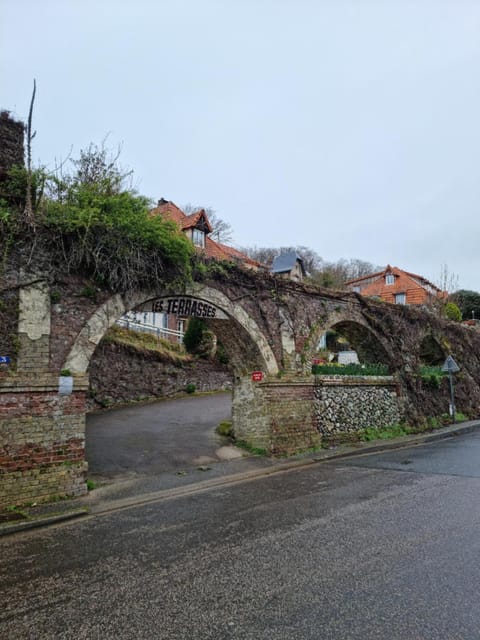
(383, 546)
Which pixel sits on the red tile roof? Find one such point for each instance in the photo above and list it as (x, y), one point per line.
(170, 211)
(233, 254)
(417, 289)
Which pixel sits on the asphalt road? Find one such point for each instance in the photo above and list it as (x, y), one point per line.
(157, 437)
(383, 546)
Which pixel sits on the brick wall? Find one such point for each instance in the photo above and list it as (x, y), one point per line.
(290, 407)
(275, 416)
(288, 417)
(42, 439)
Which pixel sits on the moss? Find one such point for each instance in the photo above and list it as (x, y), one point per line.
(225, 428)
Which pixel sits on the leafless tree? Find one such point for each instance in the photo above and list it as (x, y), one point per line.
(28, 212)
(447, 280)
(221, 230)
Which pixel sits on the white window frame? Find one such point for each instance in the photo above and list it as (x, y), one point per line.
(400, 298)
(198, 238)
(389, 278)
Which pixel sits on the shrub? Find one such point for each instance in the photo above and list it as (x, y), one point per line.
(190, 387)
(225, 428)
(350, 369)
(452, 312)
(91, 221)
(198, 340)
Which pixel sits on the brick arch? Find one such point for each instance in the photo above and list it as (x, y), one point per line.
(247, 334)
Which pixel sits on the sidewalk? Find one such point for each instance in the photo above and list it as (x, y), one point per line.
(141, 490)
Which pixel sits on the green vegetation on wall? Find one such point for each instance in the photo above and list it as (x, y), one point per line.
(350, 369)
(91, 221)
(432, 376)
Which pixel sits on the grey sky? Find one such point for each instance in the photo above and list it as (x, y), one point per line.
(352, 128)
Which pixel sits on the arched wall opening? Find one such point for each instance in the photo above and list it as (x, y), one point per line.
(242, 339)
(350, 336)
(431, 353)
(363, 341)
(245, 335)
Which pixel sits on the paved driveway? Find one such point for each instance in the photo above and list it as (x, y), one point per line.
(158, 437)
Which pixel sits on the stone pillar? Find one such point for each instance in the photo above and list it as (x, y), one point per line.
(34, 328)
(249, 413)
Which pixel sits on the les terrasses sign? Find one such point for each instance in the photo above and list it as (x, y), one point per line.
(187, 307)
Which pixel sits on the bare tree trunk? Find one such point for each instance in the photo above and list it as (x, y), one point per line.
(28, 213)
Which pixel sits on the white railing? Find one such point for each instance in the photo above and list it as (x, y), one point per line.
(160, 332)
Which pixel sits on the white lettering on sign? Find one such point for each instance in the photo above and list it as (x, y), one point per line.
(187, 307)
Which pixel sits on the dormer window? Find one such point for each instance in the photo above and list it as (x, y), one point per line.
(389, 278)
(198, 238)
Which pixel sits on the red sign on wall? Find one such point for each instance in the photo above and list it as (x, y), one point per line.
(257, 376)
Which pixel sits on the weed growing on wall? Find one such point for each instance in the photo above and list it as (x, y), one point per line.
(432, 376)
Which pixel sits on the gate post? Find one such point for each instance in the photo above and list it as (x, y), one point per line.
(42, 426)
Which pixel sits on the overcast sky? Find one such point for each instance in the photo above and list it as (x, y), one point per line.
(352, 128)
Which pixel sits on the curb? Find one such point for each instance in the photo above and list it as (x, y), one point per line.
(404, 441)
(280, 467)
(41, 521)
(228, 480)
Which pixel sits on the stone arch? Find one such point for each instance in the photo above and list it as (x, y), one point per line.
(431, 351)
(247, 335)
(371, 347)
(364, 341)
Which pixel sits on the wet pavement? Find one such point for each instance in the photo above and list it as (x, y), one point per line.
(360, 548)
(456, 456)
(158, 437)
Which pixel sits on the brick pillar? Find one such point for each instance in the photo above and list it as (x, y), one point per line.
(42, 438)
(275, 415)
(42, 426)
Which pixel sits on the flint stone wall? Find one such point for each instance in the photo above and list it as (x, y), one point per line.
(285, 417)
(346, 404)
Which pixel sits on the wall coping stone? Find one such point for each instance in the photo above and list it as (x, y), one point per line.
(360, 381)
(38, 382)
(332, 380)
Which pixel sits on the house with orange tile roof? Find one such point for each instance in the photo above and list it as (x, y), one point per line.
(397, 287)
(197, 228)
(167, 322)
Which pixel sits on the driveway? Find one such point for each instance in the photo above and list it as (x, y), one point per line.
(155, 438)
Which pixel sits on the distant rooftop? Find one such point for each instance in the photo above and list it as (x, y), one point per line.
(285, 262)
